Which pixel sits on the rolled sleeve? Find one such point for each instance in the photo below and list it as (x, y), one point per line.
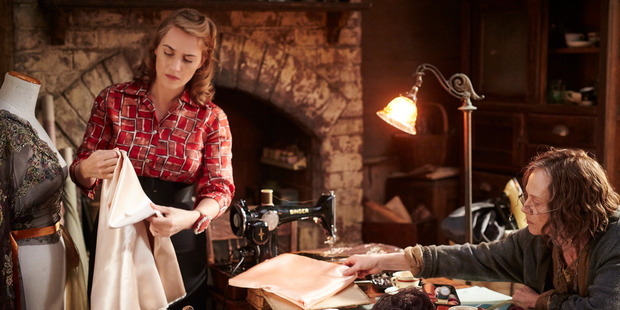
(97, 136)
(217, 180)
(414, 258)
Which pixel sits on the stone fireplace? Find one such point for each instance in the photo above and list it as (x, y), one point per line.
(282, 59)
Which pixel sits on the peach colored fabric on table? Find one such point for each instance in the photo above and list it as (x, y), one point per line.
(133, 269)
(299, 279)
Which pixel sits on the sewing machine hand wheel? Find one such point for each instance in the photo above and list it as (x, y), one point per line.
(238, 218)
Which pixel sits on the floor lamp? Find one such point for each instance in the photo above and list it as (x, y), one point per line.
(402, 114)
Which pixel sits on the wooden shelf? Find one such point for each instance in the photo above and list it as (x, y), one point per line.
(300, 165)
(575, 50)
(545, 108)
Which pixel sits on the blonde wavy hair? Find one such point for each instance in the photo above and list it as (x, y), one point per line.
(581, 192)
(197, 24)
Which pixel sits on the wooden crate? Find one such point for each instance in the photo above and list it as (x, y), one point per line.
(256, 298)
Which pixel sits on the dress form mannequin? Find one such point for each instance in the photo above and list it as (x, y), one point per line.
(18, 95)
(42, 266)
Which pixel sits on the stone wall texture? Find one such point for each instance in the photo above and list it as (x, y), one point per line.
(282, 57)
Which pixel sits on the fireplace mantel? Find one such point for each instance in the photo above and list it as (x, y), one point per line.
(246, 5)
(337, 11)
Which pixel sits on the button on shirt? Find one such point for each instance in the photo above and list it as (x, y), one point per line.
(192, 143)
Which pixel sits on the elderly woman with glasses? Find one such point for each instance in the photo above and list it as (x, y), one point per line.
(568, 257)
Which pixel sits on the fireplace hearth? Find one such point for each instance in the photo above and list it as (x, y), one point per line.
(278, 75)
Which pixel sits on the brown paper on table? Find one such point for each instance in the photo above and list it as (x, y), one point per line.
(352, 295)
(300, 280)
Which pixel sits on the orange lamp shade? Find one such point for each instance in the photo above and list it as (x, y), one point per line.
(401, 113)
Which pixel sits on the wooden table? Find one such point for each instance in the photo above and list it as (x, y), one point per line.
(370, 290)
(235, 298)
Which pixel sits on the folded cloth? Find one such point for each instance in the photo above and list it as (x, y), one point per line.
(301, 280)
(133, 269)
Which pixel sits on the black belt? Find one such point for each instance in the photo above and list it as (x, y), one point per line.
(168, 193)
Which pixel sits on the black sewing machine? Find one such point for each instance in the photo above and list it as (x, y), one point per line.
(259, 224)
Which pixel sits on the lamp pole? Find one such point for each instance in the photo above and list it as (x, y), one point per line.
(467, 108)
(459, 86)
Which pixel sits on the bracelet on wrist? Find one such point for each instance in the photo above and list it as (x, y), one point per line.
(201, 223)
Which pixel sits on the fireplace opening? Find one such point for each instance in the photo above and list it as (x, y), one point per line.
(270, 149)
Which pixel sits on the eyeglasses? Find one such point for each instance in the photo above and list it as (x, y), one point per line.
(529, 210)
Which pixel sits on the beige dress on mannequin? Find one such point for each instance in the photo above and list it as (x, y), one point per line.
(32, 174)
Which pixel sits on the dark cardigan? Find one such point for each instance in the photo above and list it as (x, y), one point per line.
(526, 258)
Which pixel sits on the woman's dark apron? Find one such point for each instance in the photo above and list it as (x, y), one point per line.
(191, 249)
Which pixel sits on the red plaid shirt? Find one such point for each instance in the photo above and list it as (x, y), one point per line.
(190, 144)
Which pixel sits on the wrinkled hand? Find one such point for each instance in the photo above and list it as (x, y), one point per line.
(100, 164)
(362, 265)
(525, 297)
(171, 221)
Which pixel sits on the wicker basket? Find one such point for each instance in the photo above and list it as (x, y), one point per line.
(424, 148)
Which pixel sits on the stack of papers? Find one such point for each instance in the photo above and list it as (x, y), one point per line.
(478, 296)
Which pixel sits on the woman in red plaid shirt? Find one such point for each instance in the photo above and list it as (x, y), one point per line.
(178, 141)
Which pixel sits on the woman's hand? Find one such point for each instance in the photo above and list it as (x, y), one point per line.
(525, 297)
(172, 220)
(374, 263)
(99, 165)
(362, 265)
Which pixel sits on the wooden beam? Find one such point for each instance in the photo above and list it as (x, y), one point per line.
(230, 5)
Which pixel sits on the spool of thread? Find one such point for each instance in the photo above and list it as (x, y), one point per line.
(442, 292)
(453, 300)
(429, 288)
(266, 197)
